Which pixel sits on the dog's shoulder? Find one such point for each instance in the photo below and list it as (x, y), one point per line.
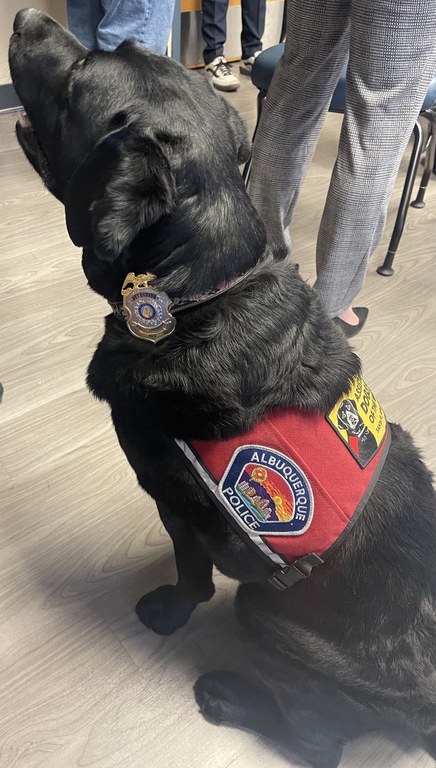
(265, 343)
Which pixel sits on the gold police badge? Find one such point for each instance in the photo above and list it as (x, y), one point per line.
(146, 310)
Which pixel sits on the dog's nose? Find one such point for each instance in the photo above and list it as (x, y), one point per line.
(23, 16)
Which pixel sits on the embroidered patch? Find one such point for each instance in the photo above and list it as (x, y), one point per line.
(267, 492)
(360, 422)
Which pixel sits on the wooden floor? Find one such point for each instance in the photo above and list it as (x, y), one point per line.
(83, 684)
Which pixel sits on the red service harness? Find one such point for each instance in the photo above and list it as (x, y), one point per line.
(295, 484)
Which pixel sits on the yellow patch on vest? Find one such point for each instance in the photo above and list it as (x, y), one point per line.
(360, 421)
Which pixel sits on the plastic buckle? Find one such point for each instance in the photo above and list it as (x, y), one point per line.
(290, 574)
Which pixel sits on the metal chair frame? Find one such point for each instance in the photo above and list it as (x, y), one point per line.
(424, 143)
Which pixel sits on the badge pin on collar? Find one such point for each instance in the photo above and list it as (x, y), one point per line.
(145, 309)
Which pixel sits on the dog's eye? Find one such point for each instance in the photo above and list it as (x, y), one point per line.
(79, 64)
(119, 120)
(169, 138)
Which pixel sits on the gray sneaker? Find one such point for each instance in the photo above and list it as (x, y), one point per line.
(246, 65)
(220, 73)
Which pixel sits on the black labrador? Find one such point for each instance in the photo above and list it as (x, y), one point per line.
(144, 157)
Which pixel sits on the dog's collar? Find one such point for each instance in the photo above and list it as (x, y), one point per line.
(148, 312)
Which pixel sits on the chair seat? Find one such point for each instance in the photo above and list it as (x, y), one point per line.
(265, 64)
(430, 96)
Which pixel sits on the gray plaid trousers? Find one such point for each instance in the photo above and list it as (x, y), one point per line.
(392, 59)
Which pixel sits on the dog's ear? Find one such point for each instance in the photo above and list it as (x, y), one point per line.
(239, 131)
(123, 186)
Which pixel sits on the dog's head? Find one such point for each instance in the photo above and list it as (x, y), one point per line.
(121, 139)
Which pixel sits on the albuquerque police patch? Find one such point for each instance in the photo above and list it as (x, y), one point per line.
(266, 492)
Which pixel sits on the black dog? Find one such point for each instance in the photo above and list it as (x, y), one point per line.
(144, 157)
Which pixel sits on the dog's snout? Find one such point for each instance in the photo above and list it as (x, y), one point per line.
(23, 17)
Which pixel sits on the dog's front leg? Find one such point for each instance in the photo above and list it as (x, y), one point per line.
(169, 607)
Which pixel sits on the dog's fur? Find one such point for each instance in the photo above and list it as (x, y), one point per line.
(144, 155)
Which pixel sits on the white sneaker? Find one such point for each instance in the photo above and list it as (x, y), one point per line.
(220, 72)
(246, 65)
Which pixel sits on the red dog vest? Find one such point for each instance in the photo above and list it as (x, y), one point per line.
(295, 483)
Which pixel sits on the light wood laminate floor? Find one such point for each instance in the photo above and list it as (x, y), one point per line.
(83, 684)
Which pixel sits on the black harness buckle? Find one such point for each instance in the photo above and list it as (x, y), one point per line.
(288, 575)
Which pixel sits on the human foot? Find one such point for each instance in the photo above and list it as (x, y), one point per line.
(352, 320)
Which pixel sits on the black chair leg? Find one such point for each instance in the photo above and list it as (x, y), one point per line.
(428, 167)
(386, 268)
(247, 167)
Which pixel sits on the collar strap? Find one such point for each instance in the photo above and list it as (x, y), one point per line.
(148, 312)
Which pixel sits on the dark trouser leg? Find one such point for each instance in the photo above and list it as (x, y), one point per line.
(214, 28)
(253, 26)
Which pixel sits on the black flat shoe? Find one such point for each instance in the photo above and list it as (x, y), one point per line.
(353, 330)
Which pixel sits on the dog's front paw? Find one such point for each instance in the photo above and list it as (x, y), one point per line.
(165, 609)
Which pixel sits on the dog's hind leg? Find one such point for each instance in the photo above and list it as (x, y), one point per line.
(169, 607)
(226, 698)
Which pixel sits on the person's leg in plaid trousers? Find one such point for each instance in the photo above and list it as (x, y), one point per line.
(392, 49)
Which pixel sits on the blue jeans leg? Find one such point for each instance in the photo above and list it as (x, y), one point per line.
(104, 24)
(83, 20)
(146, 21)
